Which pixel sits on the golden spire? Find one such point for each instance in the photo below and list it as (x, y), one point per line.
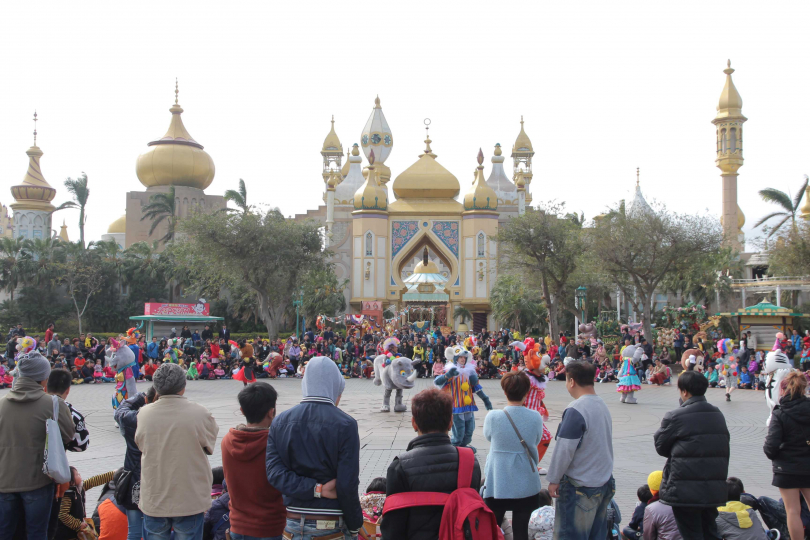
(34, 192)
(480, 196)
(377, 102)
(63, 234)
(331, 144)
(522, 144)
(638, 174)
(176, 90)
(730, 103)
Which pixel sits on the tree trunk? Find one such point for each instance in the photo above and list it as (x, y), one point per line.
(646, 314)
(552, 308)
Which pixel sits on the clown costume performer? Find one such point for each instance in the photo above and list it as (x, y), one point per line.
(461, 381)
(536, 370)
(122, 360)
(629, 383)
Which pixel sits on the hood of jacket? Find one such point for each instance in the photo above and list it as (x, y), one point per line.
(245, 445)
(24, 390)
(736, 514)
(322, 378)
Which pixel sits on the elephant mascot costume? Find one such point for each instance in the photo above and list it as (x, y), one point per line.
(395, 372)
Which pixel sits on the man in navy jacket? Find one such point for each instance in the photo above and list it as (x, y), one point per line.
(313, 447)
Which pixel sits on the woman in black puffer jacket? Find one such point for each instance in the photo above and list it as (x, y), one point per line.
(788, 447)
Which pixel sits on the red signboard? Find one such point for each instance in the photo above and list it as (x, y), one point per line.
(156, 308)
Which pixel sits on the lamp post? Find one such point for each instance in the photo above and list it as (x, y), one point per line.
(298, 303)
(582, 296)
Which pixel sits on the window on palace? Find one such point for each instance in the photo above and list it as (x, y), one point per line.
(733, 138)
(481, 244)
(369, 244)
(723, 142)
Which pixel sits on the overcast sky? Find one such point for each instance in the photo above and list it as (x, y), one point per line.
(604, 87)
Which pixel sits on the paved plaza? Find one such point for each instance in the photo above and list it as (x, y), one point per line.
(384, 435)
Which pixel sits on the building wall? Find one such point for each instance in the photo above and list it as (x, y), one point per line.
(186, 200)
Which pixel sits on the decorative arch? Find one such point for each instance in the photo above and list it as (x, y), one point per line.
(425, 238)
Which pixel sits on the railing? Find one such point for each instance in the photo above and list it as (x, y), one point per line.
(770, 279)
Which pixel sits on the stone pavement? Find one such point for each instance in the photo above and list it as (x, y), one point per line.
(384, 435)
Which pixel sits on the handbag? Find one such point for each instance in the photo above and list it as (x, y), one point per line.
(88, 533)
(525, 446)
(123, 491)
(55, 464)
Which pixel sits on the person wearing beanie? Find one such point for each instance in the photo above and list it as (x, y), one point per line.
(659, 521)
(24, 410)
(313, 457)
(175, 436)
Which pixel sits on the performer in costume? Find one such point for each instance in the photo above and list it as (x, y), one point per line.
(395, 372)
(461, 381)
(777, 367)
(536, 370)
(122, 360)
(629, 383)
(246, 374)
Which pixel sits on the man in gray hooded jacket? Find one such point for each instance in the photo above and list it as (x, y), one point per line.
(312, 447)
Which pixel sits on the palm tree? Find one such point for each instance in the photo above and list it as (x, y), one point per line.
(78, 188)
(783, 200)
(462, 313)
(13, 253)
(161, 208)
(40, 267)
(239, 198)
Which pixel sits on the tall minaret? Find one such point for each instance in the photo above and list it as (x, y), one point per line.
(32, 198)
(522, 153)
(729, 124)
(332, 152)
(377, 136)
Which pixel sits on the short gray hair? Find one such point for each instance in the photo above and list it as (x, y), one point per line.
(169, 379)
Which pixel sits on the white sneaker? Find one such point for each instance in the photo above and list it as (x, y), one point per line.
(541, 471)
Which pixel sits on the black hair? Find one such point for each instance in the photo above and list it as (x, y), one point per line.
(644, 494)
(693, 382)
(219, 476)
(582, 372)
(378, 484)
(59, 381)
(734, 487)
(256, 400)
(544, 498)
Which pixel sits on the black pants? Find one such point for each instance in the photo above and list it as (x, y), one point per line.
(696, 523)
(521, 513)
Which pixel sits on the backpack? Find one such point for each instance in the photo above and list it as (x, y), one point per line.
(465, 516)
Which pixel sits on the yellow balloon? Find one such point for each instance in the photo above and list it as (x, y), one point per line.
(467, 400)
(465, 386)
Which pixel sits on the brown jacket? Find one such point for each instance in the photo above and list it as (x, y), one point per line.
(176, 437)
(23, 411)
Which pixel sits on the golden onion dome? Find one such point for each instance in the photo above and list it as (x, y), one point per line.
(480, 196)
(522, 143)
(426, 179)
(119, 226)
(371, 195)
(331, 144)
(175, 159)
(63, 234)
(730, 103)
(520, 182)
(429, 268)
(33, 188)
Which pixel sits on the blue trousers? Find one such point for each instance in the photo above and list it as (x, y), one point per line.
(463, 427)
(35, 504)
(581, 512)
(307, 529)
(184, 527)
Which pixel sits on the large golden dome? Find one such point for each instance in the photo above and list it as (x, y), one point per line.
(371, 195)
(175, 159)
(426, 179)
(119, 226)
(34, 190)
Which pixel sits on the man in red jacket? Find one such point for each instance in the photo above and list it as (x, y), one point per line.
(256, 507)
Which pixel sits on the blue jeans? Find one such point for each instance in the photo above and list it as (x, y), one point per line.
(185, 527)
(463, 427)
(237, 536)
(134, 524)
(36, 505)
(581, 512)
(308, 530)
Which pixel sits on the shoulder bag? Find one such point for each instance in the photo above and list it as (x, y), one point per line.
(55, 465)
